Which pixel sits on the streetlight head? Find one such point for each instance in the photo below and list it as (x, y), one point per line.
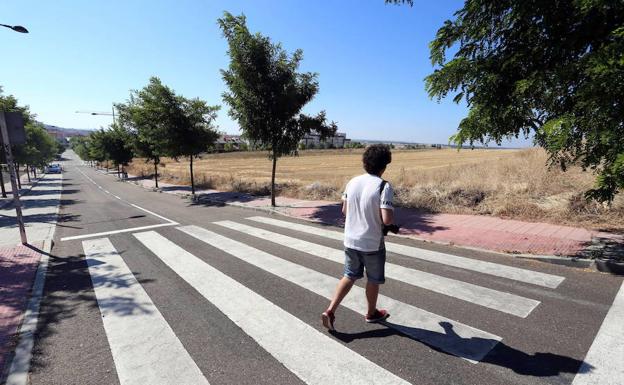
(19, 28)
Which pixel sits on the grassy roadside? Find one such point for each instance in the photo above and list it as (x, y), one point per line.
(506, 183)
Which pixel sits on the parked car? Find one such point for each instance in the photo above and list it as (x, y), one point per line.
(53, 169)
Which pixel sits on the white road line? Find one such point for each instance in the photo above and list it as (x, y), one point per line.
(308, 353)
(105, 233)
(151, 212)
(447, 335)
(603, 362)
(495, 269)
(144, 347)
(493, 299)
(131, 204)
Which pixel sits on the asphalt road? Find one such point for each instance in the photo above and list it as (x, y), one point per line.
(210, 308)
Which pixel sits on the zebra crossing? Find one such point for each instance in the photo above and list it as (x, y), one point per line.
(146, 350)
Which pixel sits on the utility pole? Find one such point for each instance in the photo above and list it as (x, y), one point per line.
(9, 158)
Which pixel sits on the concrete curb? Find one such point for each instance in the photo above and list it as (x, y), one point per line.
(19, 368)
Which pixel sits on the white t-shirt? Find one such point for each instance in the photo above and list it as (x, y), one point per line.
(363, 225)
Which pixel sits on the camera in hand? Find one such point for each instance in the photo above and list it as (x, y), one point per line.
(391, 228)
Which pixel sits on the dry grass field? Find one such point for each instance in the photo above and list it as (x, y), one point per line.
(507, 183)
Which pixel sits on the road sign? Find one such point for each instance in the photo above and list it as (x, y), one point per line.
(15, 127)
(17, 124)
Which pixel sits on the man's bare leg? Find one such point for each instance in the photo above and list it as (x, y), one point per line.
(344, 286)
(372, 292)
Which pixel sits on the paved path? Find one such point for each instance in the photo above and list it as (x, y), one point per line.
(26, 185)
(39, 209)
(18, 265)
(481, 232)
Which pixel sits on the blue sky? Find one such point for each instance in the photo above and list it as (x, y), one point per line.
(371, 58)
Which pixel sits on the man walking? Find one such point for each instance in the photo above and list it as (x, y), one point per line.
(367, 205)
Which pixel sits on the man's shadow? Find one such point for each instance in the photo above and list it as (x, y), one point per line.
(538, 364)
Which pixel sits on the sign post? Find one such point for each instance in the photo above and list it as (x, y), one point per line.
(6, 143)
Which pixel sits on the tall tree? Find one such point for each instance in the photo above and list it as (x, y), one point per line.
(98, 146)
(8, 103)
(192, 130)
(266, 93)
(80, 146)
(552, 68)
(146, 112)
(118, 145)
(39, 149)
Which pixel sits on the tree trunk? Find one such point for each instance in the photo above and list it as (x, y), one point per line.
(156, 173)
(273, 181)
(118, 173)
(28, 172)
(19, 180)
(2, 183)
(192, 179)
(35, 172)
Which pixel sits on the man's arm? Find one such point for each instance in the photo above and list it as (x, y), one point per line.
(344, 208)
(387, 216)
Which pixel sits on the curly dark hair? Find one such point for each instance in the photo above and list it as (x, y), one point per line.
(376, 158)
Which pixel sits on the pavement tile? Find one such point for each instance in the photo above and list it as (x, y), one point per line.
(18, 265)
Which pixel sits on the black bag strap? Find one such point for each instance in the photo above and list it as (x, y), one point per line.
(381, 186)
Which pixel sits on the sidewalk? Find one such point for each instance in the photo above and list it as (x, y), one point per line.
(18, 265)
(39, 208)
(474, 231)
(26, 186)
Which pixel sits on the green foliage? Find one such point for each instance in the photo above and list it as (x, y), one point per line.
(113, 144)
(266, 93)
(354, 145)
(555, 69)
(146, 115)
(193, 129)
(165, 124)
(40, 147)
(118, 144)
(80, 145)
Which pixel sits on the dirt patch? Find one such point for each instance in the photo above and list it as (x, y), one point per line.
(508, 183)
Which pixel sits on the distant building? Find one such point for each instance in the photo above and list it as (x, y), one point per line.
(234, 140)
(313, 139)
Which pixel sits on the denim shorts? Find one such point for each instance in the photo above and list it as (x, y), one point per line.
(356, 261)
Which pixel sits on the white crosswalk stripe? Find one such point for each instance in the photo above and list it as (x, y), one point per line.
(494, 269)
(312, 356)
(447, 335)
(144, 347)
(493, 299)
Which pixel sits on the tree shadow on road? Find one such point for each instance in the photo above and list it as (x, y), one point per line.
(537, 365)
(69, 299)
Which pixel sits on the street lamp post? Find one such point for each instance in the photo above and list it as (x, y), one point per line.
(100, 113)
(9, 158)
(16, 28)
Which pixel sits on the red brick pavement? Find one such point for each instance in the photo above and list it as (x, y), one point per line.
(18, 265)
